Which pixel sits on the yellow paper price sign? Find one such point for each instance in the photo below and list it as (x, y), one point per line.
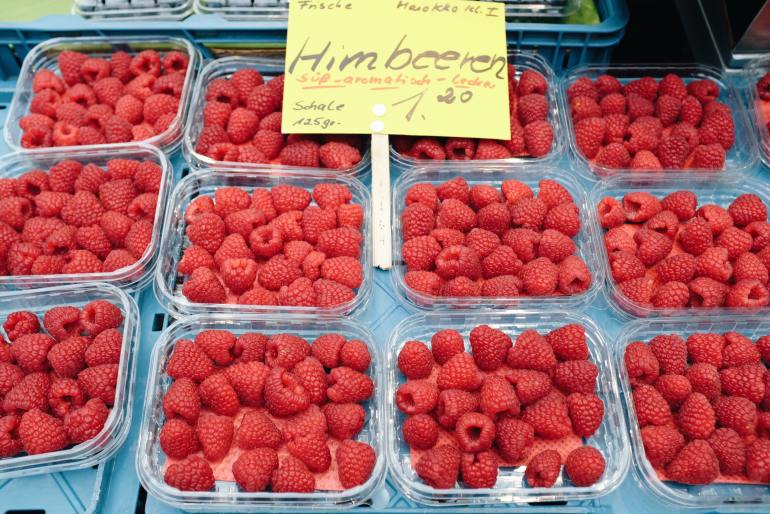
(416, 67)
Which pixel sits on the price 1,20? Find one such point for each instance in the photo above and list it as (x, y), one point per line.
(448, 97)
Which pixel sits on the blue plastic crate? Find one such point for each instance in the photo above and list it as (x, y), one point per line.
(562, 45)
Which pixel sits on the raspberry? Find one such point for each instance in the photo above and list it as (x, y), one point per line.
(456, 188)
(524, 242)
(191, 474)
(695, 464)
(41, 433)
(171, 85)
(248, 381)
(696, 418)
(15, 211)
(10, 375)
(420, 431)
(748, 293)
(758, 460)
(188, 360)
(416, 220)
(533, 107)
(549, 416)
(555, 246)
(586, 412)
(717, 128)
(651, 408)
(745, 381)
(531, 82)
(340, 242)
(345, 420)
(292, 476)
(585, 107)
(740, 352)
(543, 469)
(30, 351)
(9, 442)
(575, 376)
(284, 394)
(177, 439)
(312, 376)
(21, 323)
(674, 388)
(30, 393)
(584, 466)
(347, 385)
(453, 403)
(729, 449)
(531, 351)
(21, 257)
(215, 434)
(736, 413)
(146, 61)
(494, 217)
(67, 358)
(439, 467)
(117, 130)
(538, 138)
(481, 241)
(425, 282)
(583, 86)
(242, 125)
(257, 431)
(426, 148)
(312, 450)
(707, 292)
(710, 156)
(453, 214)
(338, 156)
(613, 103)
(671, 353)
(253, 469)
(540, 277)
(661, 444)
(99, 382)
(459, 372)
(747, 208)
(182, 400)
(479, 470)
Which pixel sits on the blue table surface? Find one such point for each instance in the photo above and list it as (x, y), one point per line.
(113, 487)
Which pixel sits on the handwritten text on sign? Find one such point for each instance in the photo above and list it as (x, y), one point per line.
(415, 67)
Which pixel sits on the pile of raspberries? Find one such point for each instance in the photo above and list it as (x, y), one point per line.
(703, 405)
(484, 241)
(670, 253)
(648, 125)
(272, 247)
(77, 218)
(261, 396)
(531, 132)
(494, 402)
(242, 123)
(96, 101)
(58, 386)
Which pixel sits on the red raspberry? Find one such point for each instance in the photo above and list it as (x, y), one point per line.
(543, 469)
(248, 380)
(312, 376)
(312, 450)
(583, 86)
(340, 242)
(555, 246)
(30, 393)
(99, 382)
(215, 434)
(67, 358)
(540, 277)
(417, 220)
(661, 444)
(146, 61)
(575, 376)
(21, 323)
(531, 82)
(459, 372)
(729, 449)
(758, 460)
(182, 400)
(416, 397)
(439, 467)
(191, 474)
(171, 85)
(10, 445)
(257, 430)
(117, 130)
(345, 420)
(479, 470)
(736, 413)
(706, 348)
(674, 388)
(717, 127)
(41, 433)
(456, 188)
(538, 138)
(425, 282)
(748, 293)
(494, 217)
(651, 408)
(453, 403)
(707, 292)
(284, 394)
(188, 360)
(30, 351)
(253, 469)
(242, 125)
(531, 351)
(427, 148)
(481, 241)
(586, 412)
(474, 432)
(584, 466)
(177, 439)
(347, 385)
(747, 208)
(671, 353)
(549, 416)
(740, 352)
(745, 381)
(10, 375)
(420, 431)
(338, 156)
(696, 418)
(695, 464)
(585, 107)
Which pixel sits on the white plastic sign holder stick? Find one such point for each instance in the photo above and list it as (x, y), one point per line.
(381, 229)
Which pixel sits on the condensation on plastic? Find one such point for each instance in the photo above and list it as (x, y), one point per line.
(755, 71)
(168, 282)
(730, 496)
(44, 56)
(492, 175)
(133, 10)
(227, 496)
(269, 67)
(511, 485)
(740, 157)
(130, 278)
(115, 431)
(709, 190)
(523, 61)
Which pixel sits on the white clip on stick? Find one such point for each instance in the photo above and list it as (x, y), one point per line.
(381, 230)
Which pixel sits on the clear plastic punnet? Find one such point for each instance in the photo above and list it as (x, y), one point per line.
(738, 497)
(493, 175)
(740, 157)
(168, 282)
(709, 190)
(130, 278)
(133, 10)
(511, 485)
(754, 72)
(523, 61)
(226, 496)
(44, 56)
(115, 431)
(269, 67)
